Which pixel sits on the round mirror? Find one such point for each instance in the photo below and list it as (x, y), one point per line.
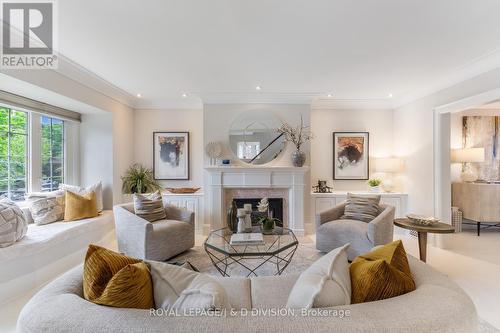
(253, 137)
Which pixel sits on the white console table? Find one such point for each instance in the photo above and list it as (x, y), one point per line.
(324, 201)
(192, 202)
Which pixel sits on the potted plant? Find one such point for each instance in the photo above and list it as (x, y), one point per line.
(139, 179)
(268, 224)
(297, 136)
(374, 184)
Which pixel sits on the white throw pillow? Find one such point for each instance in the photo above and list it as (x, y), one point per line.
(179, 288)
(46, 207)
(97, 188)
(325, 283)
(47, 210)
(13, 225)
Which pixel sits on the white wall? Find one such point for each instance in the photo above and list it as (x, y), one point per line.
(123, 141)
(413, 137)
(148, 121)
(379, 123)
(96, 158)
(456, 143)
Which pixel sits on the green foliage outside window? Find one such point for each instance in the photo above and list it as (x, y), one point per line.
(14, 132)
(13, 153)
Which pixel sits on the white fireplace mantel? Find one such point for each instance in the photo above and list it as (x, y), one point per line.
(222, 177)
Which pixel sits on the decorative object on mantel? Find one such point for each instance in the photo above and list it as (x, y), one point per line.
(171, 155)
(422, 220)
(350, 155)
(232, 219)
(139, 179)
(322, 187)
(374, 185)
(183, 190)
(226, 162)
(467, 156)
(214, 151)
(298, 136)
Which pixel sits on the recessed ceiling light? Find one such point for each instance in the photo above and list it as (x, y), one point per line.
(139, 95)
(258, 88)
(329, 95)
(184, 95)
(390, 96)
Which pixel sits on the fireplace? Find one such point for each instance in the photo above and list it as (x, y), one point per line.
(275, 208)
(225, 183)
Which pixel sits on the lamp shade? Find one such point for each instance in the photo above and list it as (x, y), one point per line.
(466, 155)
(388, 165)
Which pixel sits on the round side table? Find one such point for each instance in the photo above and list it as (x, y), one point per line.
(422, 230)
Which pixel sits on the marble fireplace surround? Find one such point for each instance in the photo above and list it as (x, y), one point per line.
(258, 193)
(255, 182)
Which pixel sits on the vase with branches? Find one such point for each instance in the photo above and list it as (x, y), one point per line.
(139, 179)
(297, 135)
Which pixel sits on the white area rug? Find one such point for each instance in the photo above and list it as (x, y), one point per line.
(305, 255)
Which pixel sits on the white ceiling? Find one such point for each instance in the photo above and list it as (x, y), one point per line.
(219, 50)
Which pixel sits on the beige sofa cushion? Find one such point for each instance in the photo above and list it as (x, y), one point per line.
(238, 291)
(175, 287)
(324, 284)
(270, 292)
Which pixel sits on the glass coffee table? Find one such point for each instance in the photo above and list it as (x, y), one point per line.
(274, 255)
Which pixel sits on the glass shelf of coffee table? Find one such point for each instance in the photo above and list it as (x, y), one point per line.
(278, 250)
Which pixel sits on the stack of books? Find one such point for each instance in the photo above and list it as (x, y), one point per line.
(247, 239)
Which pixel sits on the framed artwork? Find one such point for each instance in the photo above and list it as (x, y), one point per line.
(171, 155)
(350, 155)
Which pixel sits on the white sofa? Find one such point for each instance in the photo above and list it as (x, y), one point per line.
(48, 251)
(437, 305)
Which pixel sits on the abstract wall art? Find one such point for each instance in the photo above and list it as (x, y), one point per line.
(171, 155)
(350, 155)
(483, 131)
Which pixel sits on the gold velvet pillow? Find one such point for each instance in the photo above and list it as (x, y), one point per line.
(380, 274)
(79, 207)
(112, 279)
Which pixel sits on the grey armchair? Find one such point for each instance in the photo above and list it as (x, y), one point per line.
(159, 240)
(332, 231)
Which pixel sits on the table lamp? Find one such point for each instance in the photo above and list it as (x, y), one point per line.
(466, 156)
(388, 166)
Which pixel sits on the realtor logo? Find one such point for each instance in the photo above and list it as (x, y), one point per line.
(28, 31)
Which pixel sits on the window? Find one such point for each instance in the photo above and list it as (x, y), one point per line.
(32, 149)
(13, 153)
(248, 150)
(52, 153)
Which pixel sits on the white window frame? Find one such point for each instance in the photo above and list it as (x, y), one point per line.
(34, 150)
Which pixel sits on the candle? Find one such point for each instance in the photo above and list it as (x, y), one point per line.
(248, 207)
(241, 212)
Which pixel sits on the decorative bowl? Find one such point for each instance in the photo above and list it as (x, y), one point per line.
(422, 220)
(182, 190)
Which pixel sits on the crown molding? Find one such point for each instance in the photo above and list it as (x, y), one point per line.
(82, 75)
(476, 67)
(254, 97)
(351, 104)
(73, 71)
(189, 103)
